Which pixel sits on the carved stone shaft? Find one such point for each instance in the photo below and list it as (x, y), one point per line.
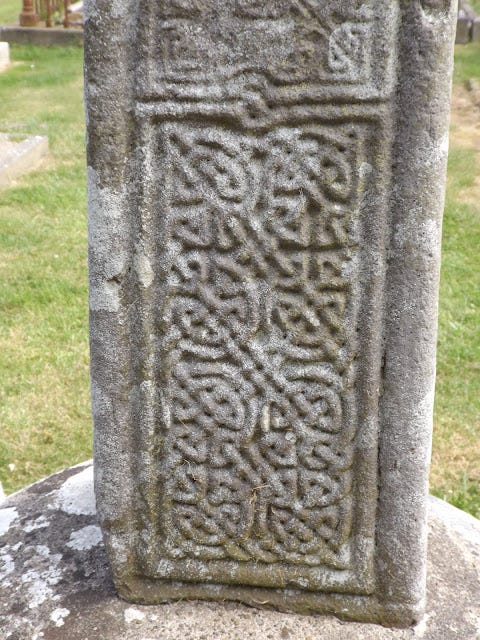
(266, 183)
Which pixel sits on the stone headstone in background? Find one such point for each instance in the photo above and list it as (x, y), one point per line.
(20, 157)
(266, 184)
(476, 30)
(4, 55)
(465, 22)
(464, 29)
(466, 10)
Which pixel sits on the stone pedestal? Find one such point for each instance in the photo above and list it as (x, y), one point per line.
(55, 582)
(266, 184)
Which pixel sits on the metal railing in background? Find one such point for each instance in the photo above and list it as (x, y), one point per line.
(49, 8)
(51, 12)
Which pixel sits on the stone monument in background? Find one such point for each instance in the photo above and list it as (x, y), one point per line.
(266, 187)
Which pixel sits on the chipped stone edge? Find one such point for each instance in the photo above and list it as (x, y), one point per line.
(13, 496)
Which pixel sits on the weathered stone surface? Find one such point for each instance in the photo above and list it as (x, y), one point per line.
(55, 582)
(266, 186)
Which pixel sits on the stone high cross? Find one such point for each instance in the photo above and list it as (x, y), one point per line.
(266, 185)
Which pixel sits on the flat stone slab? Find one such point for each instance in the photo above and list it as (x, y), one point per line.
(17, 158)
(55, 582)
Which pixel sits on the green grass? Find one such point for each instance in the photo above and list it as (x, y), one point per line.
(475, 4)
(465, 495)
(456, 446)
(467, 62)
(455, 472)
(45, 419)
(44, 407)
(9, 11)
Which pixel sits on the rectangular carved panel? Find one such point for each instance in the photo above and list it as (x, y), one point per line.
(266, 181)
(328, 45)
(255, 364)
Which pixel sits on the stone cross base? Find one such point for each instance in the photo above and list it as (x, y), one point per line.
(55, 582)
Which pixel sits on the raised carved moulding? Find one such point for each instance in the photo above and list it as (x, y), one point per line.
(265, 193)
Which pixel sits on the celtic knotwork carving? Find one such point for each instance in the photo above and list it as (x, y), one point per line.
(348, 49)
(256, 353)
(208, 49)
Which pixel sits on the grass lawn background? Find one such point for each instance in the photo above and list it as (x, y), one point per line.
(9, 11)
(45, 421)
(44, 407)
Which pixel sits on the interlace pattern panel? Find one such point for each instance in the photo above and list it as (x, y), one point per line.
(262, 165)
(257, 356)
